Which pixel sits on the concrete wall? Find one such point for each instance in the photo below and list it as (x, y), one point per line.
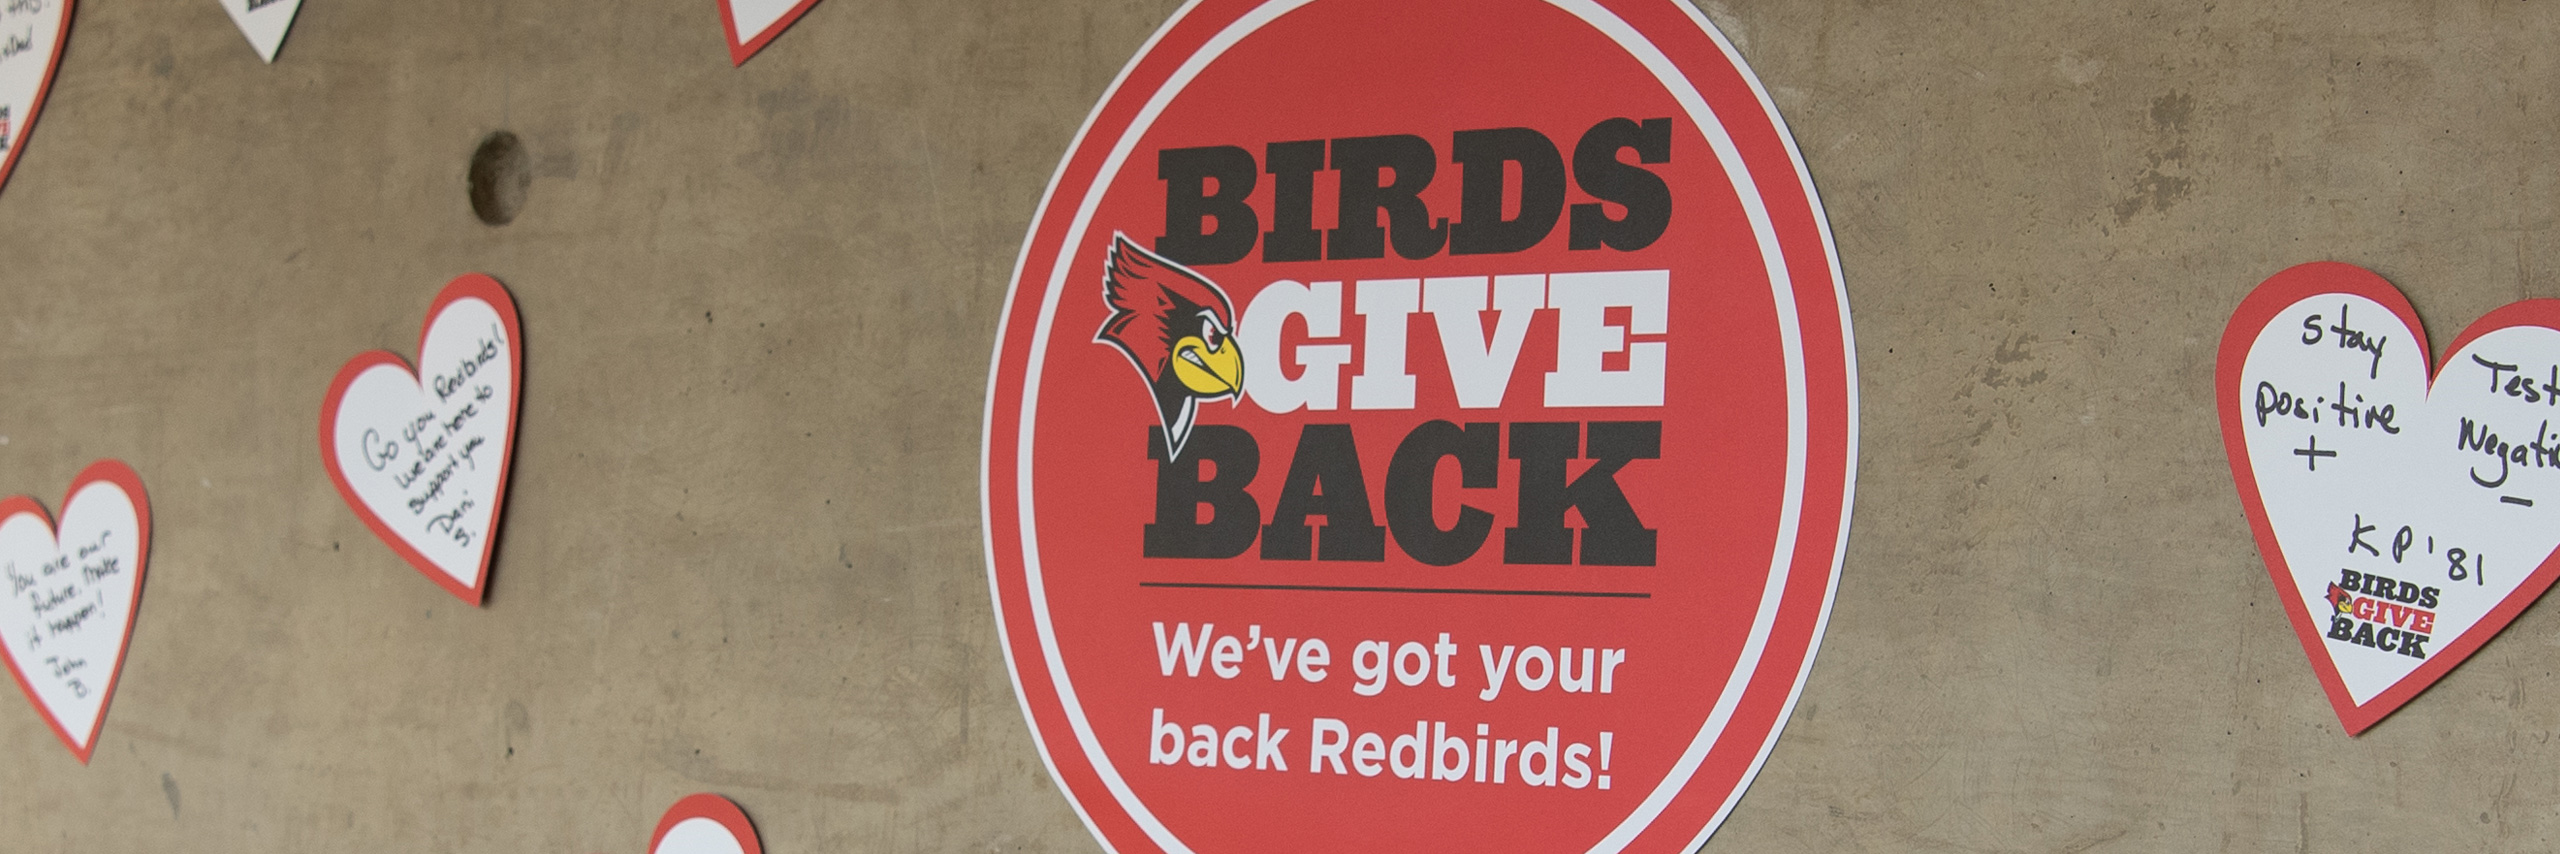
(742, 549)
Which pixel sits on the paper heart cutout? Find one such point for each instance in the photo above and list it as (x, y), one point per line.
(264, 22)
(705, 824)
(2406, 516)
(72, 598)
(31, 37)
(425, 463)
(751, 24)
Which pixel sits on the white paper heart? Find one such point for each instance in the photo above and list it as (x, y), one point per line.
(31, 36)
(72, 597)
(264, 21)
(424, 462)
(751, 24)
(2404, 522)
(705, 824)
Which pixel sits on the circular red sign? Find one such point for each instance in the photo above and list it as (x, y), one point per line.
(1420, 426)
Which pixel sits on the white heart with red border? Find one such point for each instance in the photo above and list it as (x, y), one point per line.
(2405, 518)
(31, 36)
(752, 24)
(424, 461)
(73, 591)
(705, 824)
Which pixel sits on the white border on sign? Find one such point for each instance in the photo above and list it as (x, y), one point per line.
(1849, 449)
(1791, 345)
(995, 373)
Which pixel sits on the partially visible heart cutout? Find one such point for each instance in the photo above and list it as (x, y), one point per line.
(73, 592)
(752, 24)
(705, 824)
(2406, 516)
(31, 37)
(424, 462)
(264, 22)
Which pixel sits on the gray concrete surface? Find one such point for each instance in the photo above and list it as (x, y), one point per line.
(742, 555)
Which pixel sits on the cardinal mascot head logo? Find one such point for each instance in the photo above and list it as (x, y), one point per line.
(1177, 328)
(2339, 598)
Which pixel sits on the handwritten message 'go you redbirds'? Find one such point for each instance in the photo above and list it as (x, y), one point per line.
(422, 455)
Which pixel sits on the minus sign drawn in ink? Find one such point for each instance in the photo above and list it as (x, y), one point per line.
(2510, 499)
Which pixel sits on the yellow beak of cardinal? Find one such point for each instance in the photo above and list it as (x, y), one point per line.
(1208, 371)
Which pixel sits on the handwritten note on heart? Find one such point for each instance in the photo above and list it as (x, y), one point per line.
(73, 591)
(424, 460)
(31, 33)
(751, 24)
(705, 824)
(2406, 518)
(264, 22)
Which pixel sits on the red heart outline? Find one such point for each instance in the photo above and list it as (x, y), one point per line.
(740, 50)
(2262, 305)
(122, 476)
(716, 808)
(44, 89)
(467, 286)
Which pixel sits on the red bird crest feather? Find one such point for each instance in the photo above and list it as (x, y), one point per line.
(1146, 292)
(1155, 304)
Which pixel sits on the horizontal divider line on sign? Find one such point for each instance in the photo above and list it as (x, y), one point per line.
(1450, 591)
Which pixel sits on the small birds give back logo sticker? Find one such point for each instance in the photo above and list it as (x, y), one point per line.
(2405, 514)
(1420, 426)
